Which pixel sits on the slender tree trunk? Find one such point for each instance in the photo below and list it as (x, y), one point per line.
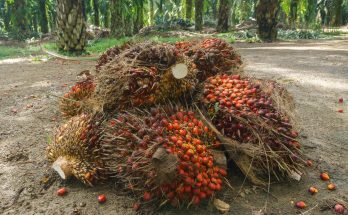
(266, 16)
(21, 17)
(152, 12)
(224, 14)
(293, 13)
(338, 11)
(106, 13)
(117, 18)
(96, 12)
(198, 15)
(214, 8)
(71, 25)
(139, 16)
(311, 11)
(7, 16)
(160, 7)
(35, 23)
(189, 5)
(43, 16)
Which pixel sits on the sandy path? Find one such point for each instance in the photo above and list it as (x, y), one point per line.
(315, 72)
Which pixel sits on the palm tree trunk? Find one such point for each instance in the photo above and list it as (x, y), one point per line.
(71, 25)
(139, 16)
(266, 16)
(338, 18)
(43, 16)
(96, 12)
(152, 12)
(293, 13)
(311, 11)
(21, 17)
(188, 9)
(224, 14)
(214, 8)
(117, 18)
(198, 15)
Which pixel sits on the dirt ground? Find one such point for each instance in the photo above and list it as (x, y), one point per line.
(315, 72)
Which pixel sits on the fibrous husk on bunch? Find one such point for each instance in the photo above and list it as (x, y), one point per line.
(164, 156)
(144, 74)
(72, 103)
(111, 54)
(260, 139)
(76, 151)
(210, 56)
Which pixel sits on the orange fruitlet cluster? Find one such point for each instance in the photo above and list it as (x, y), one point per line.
(198, 178)
(227, 96)
(182, 135)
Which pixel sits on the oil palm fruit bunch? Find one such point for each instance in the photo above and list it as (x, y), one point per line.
(111, 54)
(76, 151)
(145, 74)
(164, 156)
(72, 103)
(243, 112)
(211, 56)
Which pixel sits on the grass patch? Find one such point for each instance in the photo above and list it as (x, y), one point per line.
(7, 51)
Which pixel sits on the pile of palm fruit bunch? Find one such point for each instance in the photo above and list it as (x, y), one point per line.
(163, 155)
(158, 114)
(211, 56)
(145, 74)
(244, 112)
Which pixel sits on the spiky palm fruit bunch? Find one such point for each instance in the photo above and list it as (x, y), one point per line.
(242, 111)
(211, 56)
(111, 54)
(72, 102)
(75, 150)
(144, 75)
(164, 156)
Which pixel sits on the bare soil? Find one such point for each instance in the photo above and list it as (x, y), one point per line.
(315, 72)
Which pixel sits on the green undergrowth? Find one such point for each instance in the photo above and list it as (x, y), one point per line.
(12, 51)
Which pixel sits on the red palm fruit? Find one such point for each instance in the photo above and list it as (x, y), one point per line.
(199, 177)
(101, 198)
(339, 208)
(190, 152)
(199, 149)
(196, 200)
(309, 163)
(176, 126)
(212, 186)
(202, 195)
(209, 192)
(331, 186)
(324, 176)
(136, 206)
(300, 204)
(217, 187)
(62, 191)
(187, 189)
(182, 132)
(186, 157)
(223, 172)
(147, 196)
(312, 190)
(171, 195)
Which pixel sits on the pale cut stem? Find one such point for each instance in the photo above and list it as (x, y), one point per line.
(180, 71)
(63, 167)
